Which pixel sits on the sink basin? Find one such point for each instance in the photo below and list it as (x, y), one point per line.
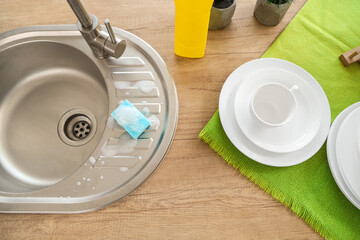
(41, 82)
(60, 151)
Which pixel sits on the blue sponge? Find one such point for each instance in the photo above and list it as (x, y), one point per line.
(131, 119)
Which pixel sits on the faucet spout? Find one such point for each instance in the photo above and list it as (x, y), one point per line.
(102, 44)
(82, 15)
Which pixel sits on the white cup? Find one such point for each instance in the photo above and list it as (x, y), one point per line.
(273, 104)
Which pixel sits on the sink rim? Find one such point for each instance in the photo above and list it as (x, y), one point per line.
(95, 202)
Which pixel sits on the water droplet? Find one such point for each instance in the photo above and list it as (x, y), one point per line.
(84, 178)
(93, 188)
(88, 179)
(78, 183)
(102, 162)
(101, 177)
(127, 93)
(85, 164)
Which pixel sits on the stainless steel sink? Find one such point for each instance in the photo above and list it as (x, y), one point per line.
(59, 150)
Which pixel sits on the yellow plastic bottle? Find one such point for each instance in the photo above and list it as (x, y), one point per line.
(191, 27)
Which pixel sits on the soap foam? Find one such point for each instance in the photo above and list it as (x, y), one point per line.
(126, 144)
(111, 123)
(145, 86)
(122, 84)
(146, 111)
(123, 169)
(92, 160)
(154, 121)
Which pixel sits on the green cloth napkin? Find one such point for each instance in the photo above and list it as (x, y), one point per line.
(314, 40)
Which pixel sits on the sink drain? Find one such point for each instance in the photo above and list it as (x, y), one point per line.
(82, 129)
(77, 127)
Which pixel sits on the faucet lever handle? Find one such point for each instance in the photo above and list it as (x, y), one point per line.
(110, 31)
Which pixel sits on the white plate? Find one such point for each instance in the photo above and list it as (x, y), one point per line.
(288, 137)
(347, 151)
(331, 155)
(238, 138)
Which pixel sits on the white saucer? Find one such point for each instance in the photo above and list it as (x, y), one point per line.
(286, 138)
(238, 138)
(347, 151)
(331, 155)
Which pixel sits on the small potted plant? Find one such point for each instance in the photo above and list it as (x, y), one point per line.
(270, 12)
(221, 13)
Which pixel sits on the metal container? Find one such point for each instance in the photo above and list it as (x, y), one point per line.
(59, 150)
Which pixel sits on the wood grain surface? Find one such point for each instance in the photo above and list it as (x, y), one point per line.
(193, 194)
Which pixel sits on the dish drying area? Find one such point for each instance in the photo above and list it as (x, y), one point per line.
(128, 120)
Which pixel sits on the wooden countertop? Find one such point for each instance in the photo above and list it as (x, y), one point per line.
(193, 194)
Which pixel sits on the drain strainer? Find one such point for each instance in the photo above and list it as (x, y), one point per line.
(77, 127)
(81, 129)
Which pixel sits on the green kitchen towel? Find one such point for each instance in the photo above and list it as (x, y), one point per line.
(314, 40)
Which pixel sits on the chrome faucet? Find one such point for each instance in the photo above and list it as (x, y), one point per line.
(101, 43)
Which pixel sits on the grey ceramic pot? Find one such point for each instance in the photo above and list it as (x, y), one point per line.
(221, 17)
(270, 13)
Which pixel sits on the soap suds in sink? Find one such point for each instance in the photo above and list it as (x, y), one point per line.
(126, 144)
(122, 84)
(92, 160)
(154, 121)
(146, 111)
(123, 169)
(145, 86)
(111, 123)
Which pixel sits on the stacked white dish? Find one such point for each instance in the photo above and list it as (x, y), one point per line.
(343, 152)
(274, 112)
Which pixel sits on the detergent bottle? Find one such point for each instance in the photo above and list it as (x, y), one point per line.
(191, 27)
